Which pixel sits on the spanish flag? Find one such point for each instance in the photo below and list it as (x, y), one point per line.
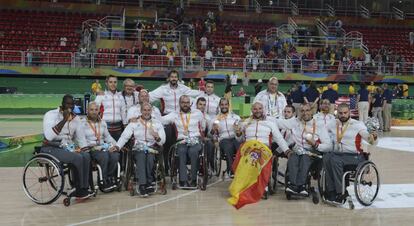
(252, 168)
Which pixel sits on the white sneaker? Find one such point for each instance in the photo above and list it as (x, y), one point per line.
(304, 192)
(289, 190)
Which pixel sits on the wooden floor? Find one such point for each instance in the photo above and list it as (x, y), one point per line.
(207, 207)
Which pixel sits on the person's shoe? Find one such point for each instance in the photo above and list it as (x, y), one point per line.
(339, 199)
(231, 175)
(330, 196)
(82, 193)
(150, 189)
(304, 192)
(142, 191)
(290, 189)
(183, 184)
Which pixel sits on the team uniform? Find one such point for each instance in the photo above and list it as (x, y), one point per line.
(273, 104)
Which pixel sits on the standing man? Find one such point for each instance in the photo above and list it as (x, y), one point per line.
(62, 129)
(377, 104)
(223, 128)
(112, 107)
(297, 99)
(347, 134)
(101, 144)
(363, 100)
(332, 96)
(312, 97)
(129, 95)
(149, 137)
(212, 100)
(273, 101)
(96, 87)
(187, 123)
(324, 116)
(386, 108)
(233, 78)
(169, 95)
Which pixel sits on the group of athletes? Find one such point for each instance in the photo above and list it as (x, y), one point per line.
(191, 120)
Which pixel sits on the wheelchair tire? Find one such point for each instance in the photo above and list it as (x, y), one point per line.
(49, 173)
(366, 177)
(217, 161)
(321, 184)
(204, 169)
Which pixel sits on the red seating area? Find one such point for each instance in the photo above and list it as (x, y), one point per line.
(21, 30)
(396, 39)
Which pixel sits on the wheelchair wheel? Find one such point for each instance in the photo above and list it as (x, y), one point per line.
(43, 180)
(217, 160)
(160, 174)
(273, 177)
(204, 171)
(321, 183)
(367, 183)
(173, 167)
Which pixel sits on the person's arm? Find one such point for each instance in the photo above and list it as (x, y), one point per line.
(279, 138)
(156, 94)
(126, 135)
(80, 137)
(168, 119)
(324, 143)
(159, 129)
(107, 136)
(50, 129)
(191, 92)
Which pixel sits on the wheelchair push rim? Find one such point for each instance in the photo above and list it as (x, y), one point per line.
(43, 180)
(367, 183)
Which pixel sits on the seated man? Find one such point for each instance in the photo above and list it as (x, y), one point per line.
(101, 144)
(149, 135)
(188, 123)
(308, 136)
(323, 115)
(201, 105)
(347, 150)
(224, 129)
(62, 129)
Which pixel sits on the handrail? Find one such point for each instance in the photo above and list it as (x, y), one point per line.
(321, 27)
(364, 12)
(331, 10)
(294, 8)
(292, 24)
(397, 13)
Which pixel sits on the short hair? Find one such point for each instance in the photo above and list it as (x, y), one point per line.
(66, 97)
(92, 103)
(128, 80)
(145, 104)
(223, 99)
(209, 82)
(182, 97)
(291, 106)
(110, 76)
(201, 99)
(172, 72)
(325, 99)
(274, 78)
(305, 104)
(343, 105)
(256, 103)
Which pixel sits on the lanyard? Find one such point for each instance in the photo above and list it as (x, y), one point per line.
(145, 123)
(304, 130)
(187, 122)
(272, 104)
(96, 131)
(340, 132)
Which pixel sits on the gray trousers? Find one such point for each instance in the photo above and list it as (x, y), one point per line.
(209, 146)
(108, 162)
(144, 165)
(298, 168)
(387, 117)
(184, 152)
(377, 113)
(80, 161)
(229, 148)
(334, 168)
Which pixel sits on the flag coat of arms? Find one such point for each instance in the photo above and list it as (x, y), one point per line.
(252, 168)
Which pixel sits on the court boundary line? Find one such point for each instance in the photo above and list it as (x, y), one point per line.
(13, 149)
(140, 208)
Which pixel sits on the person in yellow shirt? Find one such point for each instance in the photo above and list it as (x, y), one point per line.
(405, 90)
(96, 87)
(351, 89)
(335, 87)
(371, 88)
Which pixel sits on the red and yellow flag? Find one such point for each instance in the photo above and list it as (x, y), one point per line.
(252, 168)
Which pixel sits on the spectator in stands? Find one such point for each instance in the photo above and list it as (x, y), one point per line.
(405, 90)
(219, 52)
(241, 92)
(311, 97)
(332, 96)
(175, 47)
(241, 36)
(371, 88)
(63, 41)
(411, 38)
(203, 41)
(29, 57)
(170, 56)
(194, 57)
(164, 49)
(83, 53)
(351, 89)
(154, 48)
(297, 99)
(227, 50)
(363, 100)
(386, 108)
(121, 57)
(377, 103)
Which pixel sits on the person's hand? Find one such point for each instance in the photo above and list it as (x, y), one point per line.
(67, 114)
(288, 153)
(113, 148)
(133, 120)
(215, 127)
(154, 134)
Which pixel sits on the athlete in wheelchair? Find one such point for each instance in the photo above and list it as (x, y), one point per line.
(223, 130)
(189, 147)
(348, 163)
(148, 135)
(63, 156)
(102, 150)
(310, 138)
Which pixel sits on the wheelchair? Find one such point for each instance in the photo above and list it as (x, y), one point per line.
(158, 172)
(45, 179)
(313, 173)
(277, 176)
(365, 179)
(100, 181)
(202, 175)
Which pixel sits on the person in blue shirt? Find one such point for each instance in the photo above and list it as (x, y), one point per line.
(377, 103)
(312, 97)
(297, 99)
(386, 108)
(332, 96)
(363, 100)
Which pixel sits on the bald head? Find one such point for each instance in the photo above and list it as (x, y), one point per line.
(257, 110)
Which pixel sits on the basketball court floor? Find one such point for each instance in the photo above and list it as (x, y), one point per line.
(394, 157)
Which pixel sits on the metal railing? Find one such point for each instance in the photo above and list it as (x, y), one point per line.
(330, 10)
(364, 12)
(291, 64)
(294, 8)
(322, 28)
(397, 13)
